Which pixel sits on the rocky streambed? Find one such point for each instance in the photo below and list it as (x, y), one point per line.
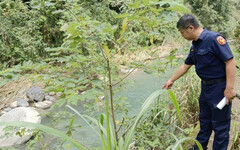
(26, 108)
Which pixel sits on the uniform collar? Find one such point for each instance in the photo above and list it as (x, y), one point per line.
(203, 34)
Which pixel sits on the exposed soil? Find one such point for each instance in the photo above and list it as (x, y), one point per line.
(10, 91)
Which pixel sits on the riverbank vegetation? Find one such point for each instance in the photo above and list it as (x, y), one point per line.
(86, 50)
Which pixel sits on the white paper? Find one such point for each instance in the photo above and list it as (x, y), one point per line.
(222, 103)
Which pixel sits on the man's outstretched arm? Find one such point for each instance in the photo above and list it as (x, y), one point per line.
(180, 72)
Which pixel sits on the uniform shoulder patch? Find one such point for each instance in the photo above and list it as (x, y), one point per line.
(221, 40)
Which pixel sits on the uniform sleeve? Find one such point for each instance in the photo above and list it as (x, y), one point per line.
(189, 59)
(221, 48)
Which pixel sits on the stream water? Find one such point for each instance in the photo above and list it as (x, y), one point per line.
(136, 91)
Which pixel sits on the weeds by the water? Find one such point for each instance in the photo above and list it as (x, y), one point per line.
(167, 122)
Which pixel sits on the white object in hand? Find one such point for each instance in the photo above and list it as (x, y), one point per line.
(222, 103)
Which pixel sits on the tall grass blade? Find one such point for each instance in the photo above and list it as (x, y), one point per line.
(108, 126)
(145, 106)
(176, 105)
(113, 137)
(46, 129)
(175, 147)
(83, 117)
(175, 139)
(101, 131)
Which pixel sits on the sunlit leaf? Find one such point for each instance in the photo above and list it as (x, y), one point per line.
(133, 17)
(107, 52)
(49, 4)
(64, 27)
(70, 85)
(151, 40)
(123, 15)
(135, 5)
(124, 25)
(179, 8)
(145, 2)
(140, 13)
(175, 103)
(156, 11)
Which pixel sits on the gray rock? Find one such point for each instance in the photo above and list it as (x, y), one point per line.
(50, 98)
(27, 114)
(35, 93)
(14, 104)
(51, 93)
(44, 104)
(22, 102)
(59, 94)
(7, 109)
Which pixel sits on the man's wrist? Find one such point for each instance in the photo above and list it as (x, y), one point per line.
(229, 88)
(171, 80)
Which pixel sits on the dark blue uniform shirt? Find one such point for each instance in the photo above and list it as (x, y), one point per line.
(209, 56)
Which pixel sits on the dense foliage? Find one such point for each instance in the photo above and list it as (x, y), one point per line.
(27, 29)
(213, 14)
(20, 33)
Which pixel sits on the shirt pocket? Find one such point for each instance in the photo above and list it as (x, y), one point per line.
(204, 56)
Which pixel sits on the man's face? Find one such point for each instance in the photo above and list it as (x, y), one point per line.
(187, 32)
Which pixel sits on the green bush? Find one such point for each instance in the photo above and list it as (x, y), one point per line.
(20, 36)
(160, 128)
(26, 31)
(213, 14)
(51, 16)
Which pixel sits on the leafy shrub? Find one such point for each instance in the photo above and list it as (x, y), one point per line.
(51, 14)
(20, 38)
(160, 128)
(157, 127)
(213, 14)
(237, 35)
(26, 31)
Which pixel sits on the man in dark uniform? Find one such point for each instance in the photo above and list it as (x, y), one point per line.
(215, 65)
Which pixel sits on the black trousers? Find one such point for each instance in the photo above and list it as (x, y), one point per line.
(213, 119)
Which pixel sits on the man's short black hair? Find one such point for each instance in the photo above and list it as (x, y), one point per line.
(187, 20)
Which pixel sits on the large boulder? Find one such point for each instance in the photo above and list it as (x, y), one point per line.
(27, 114)
(35, 93)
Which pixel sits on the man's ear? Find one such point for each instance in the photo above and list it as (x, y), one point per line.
(191, 27)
